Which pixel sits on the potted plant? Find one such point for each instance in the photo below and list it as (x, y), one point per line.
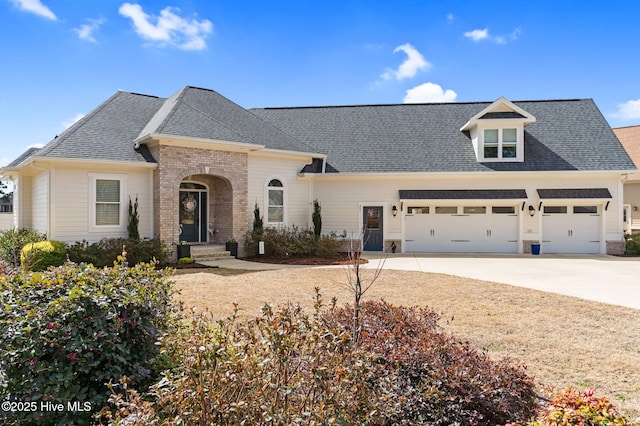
(184, 249)
(232, 246)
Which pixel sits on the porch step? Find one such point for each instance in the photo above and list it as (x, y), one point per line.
(209, 253)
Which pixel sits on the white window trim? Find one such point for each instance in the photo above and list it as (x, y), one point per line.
(284, 201)
(519, 143)
(93, 177)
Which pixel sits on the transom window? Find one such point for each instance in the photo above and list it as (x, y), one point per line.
(500, 143)
(275, 210)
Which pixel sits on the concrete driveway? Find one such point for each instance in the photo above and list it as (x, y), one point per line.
(608, 279)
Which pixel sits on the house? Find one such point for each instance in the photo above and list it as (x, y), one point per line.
(630, 139)
(491, 177)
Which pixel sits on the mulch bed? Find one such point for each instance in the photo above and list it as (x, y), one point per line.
(312, 261)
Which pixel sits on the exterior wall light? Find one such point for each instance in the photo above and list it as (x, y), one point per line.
(394, 211)
(532, 210)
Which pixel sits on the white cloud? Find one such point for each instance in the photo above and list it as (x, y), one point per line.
(85, 31)
(450, 17)
(629, 110)
(415, 62)
(480, 35)
(429, 92)
(477, 35)
(169, 27)
(35, 6)
(68, 123)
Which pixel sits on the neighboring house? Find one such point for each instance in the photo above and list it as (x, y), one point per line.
(630, 139)
(451, 177)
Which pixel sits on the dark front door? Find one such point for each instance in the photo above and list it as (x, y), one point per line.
(193, 215)
(372, 225)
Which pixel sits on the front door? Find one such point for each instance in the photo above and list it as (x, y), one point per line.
(193, 216)
(373, 230)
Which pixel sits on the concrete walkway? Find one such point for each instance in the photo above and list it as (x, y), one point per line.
(608, 279)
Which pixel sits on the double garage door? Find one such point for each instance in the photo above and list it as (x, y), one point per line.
(462, 229)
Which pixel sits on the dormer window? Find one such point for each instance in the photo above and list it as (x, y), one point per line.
(500, 143)
(497, 132)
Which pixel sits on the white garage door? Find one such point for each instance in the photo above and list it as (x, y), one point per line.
(571, 229)
(461, 229)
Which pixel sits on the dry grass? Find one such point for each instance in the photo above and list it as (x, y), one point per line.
(564, 341)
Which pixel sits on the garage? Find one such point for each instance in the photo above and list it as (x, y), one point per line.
(571, 229)
(462, 221)
(572, 219)
(461, 229)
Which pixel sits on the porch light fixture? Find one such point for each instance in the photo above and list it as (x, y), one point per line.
(532, 210)
(394, 211)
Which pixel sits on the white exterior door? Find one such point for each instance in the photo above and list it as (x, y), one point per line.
(461, 229)
(571, 229)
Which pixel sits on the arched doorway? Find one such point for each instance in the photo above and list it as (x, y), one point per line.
(194, 212)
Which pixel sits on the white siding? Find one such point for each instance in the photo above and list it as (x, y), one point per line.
(72, 199)
(632, 197)
(40, 203)
(342, 198)
(6, 221)
(298, 201)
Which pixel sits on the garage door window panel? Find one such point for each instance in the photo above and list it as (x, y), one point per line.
(585, 209)
(503, 210)
(555, 210)
(474, 210)
(447, 210)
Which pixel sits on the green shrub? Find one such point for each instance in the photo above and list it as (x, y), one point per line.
(12, 241)
(292, 241)
(571, 407)
(287, 367)
(39, 256)
(186, 261)
(106, 251)
(67, 332)
(632, 244)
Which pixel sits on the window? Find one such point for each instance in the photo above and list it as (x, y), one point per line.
(500, 143)
(509, 142)
(585, 209)
(107, 205)
(446, 210)
(418, 210)
(555, 209)
(503, 210)
(474, 210)
(491, 143)
(107, 202)
(275, 211)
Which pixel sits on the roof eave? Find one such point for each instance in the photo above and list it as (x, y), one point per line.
(159, 138)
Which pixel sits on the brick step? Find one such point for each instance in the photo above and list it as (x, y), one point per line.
(208, 253)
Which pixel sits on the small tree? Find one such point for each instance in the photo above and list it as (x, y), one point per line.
(258, 224)
(134, 220)
(359, 283)
(317, 218)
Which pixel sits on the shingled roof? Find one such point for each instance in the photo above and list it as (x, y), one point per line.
(630, 139)
(568, 135)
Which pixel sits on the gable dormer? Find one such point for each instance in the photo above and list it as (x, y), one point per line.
(497, 132)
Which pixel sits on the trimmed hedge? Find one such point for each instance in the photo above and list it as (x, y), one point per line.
(13, 240)
(106, 251)
(292, 241)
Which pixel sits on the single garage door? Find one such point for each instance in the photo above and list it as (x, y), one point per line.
(461, 229)
(571, 229)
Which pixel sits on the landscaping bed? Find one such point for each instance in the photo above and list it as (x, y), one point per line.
(564, 341)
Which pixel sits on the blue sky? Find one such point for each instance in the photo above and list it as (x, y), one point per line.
(62, 58)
